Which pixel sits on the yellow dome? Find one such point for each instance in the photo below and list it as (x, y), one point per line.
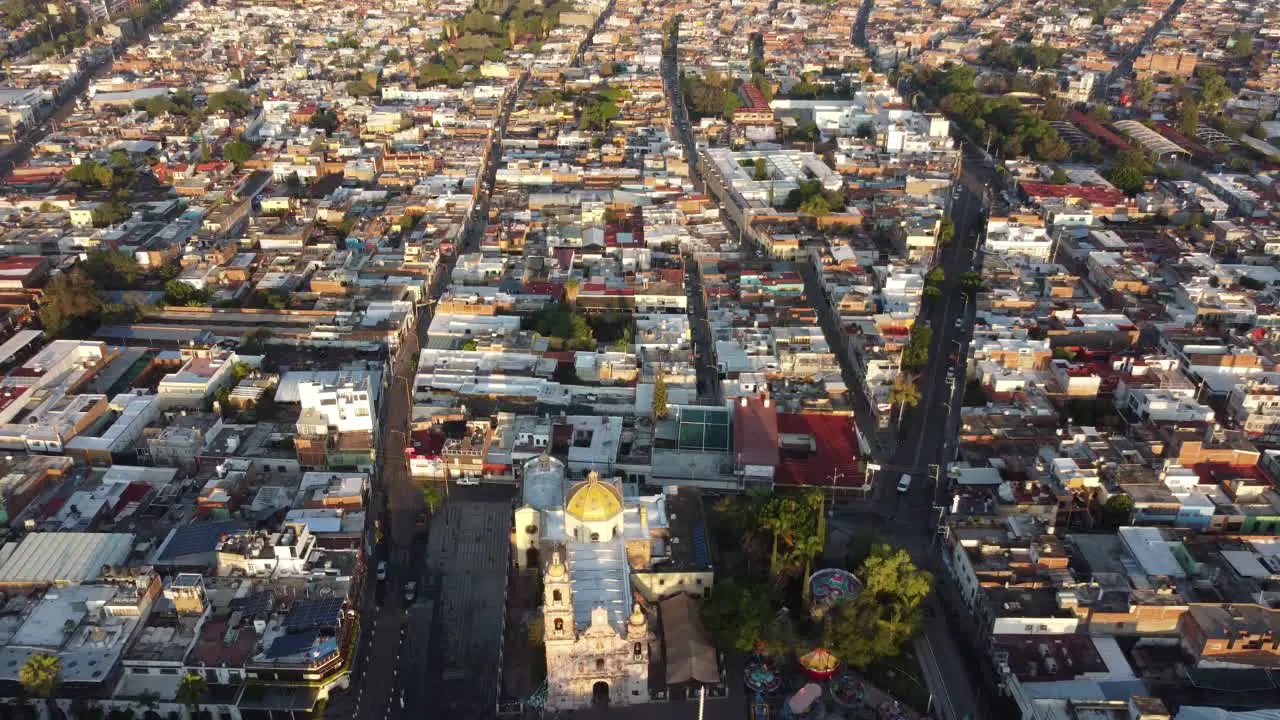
(593, 501)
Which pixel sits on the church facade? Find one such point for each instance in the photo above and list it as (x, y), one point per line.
(598, 665)
(588, 540)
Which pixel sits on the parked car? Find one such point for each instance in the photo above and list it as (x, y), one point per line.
(382, 570)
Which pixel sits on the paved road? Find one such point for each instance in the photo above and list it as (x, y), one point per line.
(401, 655)
(927, 442)
(392, 628)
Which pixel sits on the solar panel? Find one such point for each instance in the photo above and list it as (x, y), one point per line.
(292, 643)
(199, 538)
(258, 603)
(322, 613)
(701, 553)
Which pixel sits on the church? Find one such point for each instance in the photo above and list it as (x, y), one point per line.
(591, 544)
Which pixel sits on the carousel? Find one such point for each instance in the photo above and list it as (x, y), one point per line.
(830, 587)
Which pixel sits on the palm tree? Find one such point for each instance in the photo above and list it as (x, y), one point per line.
(39, 674)
(806, 548)
(430, 498)
(904, 393)
(779, 517)
(191, 691)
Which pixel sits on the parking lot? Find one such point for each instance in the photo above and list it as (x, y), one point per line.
(459, 613)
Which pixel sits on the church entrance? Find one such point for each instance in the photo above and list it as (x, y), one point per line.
(600, 695)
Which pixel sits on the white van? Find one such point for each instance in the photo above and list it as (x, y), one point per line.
(905, 483)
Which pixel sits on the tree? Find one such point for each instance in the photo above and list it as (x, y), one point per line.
(1189, 118)
(112, 269)
(792, 522)
(430, 498)
(1144, 90)
(1118, 510)
(761, 169)
(884, 615)
(360, 88)
(946, 231)
(1060, 177)
(192, 690)
(70, 302)
(237, 151)
(232, 102)
(598, 114)
(971, 281)
(149, 699)
(118, 159)
(1242, 45)
(916, 354)
(1101, 113)
(109, 213)
(807, 132)
(324, 119)
(182, 294)
(660, 409)
(936, 276)
(255, 342)
(1127, 179)
(803, 552)
(93, 174)
(39, 674)
(904, 393)
(1213, 90)
(738, 615)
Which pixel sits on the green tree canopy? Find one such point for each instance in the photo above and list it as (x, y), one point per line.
(192, 690)
(360, 88)
(598, 114)
(237, 151)
(324, 119)
(738, 614)
(70, 302)
(233, 102)
(1118, 510)
(92, 174)
(110, 213)
(39, 674)
(112, 269)
(884, 615)
(659, 394)
(916, 354)
(180, 293)
(1127, 179)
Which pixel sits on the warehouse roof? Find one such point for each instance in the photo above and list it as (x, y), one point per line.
(64, 557)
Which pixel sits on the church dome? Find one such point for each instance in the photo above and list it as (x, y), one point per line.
(593, 501)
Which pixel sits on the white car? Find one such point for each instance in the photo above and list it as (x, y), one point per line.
(382, 570)
(410, 591)
(960, 323)
(905, 483)
(467, 480)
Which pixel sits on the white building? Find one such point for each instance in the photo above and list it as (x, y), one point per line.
(343, 407)
(597, 641)
(199, 377)
(1009, 238)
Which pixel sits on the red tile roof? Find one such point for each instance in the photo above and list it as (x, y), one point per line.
(755, 432)
(834, 448)
(1089, 193)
